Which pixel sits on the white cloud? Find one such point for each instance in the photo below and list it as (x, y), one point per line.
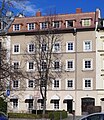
(25, 7)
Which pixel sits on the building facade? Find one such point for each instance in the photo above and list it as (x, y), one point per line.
(76, 89)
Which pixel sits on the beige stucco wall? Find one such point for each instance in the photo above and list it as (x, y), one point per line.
(78, 74)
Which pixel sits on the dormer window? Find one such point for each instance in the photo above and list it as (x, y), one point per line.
(56, 24)
(43, 25)
(31, 26)
(86, 22)
(69, 23)
(16, 27)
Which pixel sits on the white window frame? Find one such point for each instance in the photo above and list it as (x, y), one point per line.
(28, 66)
(15, 108)
(84, 45)
(45, 26)
(41, 65)
(29, 46)
(91, 81)
(56, 88)
(86, 21)
(59, 69)
(67, 25)
(58, 106)
(28, 83)
(53, 24)
(73, 82)
(15, 27)
(30, 27)
(67, 46)
(16, 62)
(70, 69)
(44, 47)
(13, 84)
(88, 59)
(57, 49)
(18, 49)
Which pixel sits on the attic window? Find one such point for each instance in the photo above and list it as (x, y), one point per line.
(31, 26)
(69, 23)
(86, 22)
(16, 27)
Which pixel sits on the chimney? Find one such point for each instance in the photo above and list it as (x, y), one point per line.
(78, 10)
(38, 13)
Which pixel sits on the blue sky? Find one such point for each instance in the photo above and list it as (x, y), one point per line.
(59, 6)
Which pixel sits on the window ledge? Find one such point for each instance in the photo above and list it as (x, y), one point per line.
(69, 70)
(84, 70)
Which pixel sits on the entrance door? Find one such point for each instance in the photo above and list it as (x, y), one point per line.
(87, 104)
(69, 106)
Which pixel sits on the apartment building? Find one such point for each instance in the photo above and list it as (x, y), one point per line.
(100, 61)
(76, 88)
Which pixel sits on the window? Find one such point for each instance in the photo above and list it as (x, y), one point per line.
(30, 83)
(16, 27)
(70, 84)
(16, 48)
(69, 23)
(87, 46)
(56, 24)
(86, 22)
(43, 25)
(43, 83)
(30, 65)
(56, 104)
(31, 26)
(87, 64)
(56, 83)
(70, 65)
(87, 83)
(44, 47)
(70, 46)
(16, 65)
(56, 47)
(15, 103)
(15, 83)
(30, 105)
(31, 47)
(43, 65)
(57, 65)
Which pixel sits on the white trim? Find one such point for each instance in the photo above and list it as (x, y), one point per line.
(87, 59)
(84, 45)
(56, 88)
(54, 65)
(15, 62)
(28, 48)
(70, 88)
(87, 88)
(14, 27)
(57, 51)
(70, 69)
(31, 24)
(28, 65)
(13, 48)
(67, 46)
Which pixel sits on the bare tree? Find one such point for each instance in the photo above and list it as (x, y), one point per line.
(7, 71)
(46, 44)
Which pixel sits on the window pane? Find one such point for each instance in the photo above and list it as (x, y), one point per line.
(88, 64)
(15, 83)
(56, 104)
(70, 46)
